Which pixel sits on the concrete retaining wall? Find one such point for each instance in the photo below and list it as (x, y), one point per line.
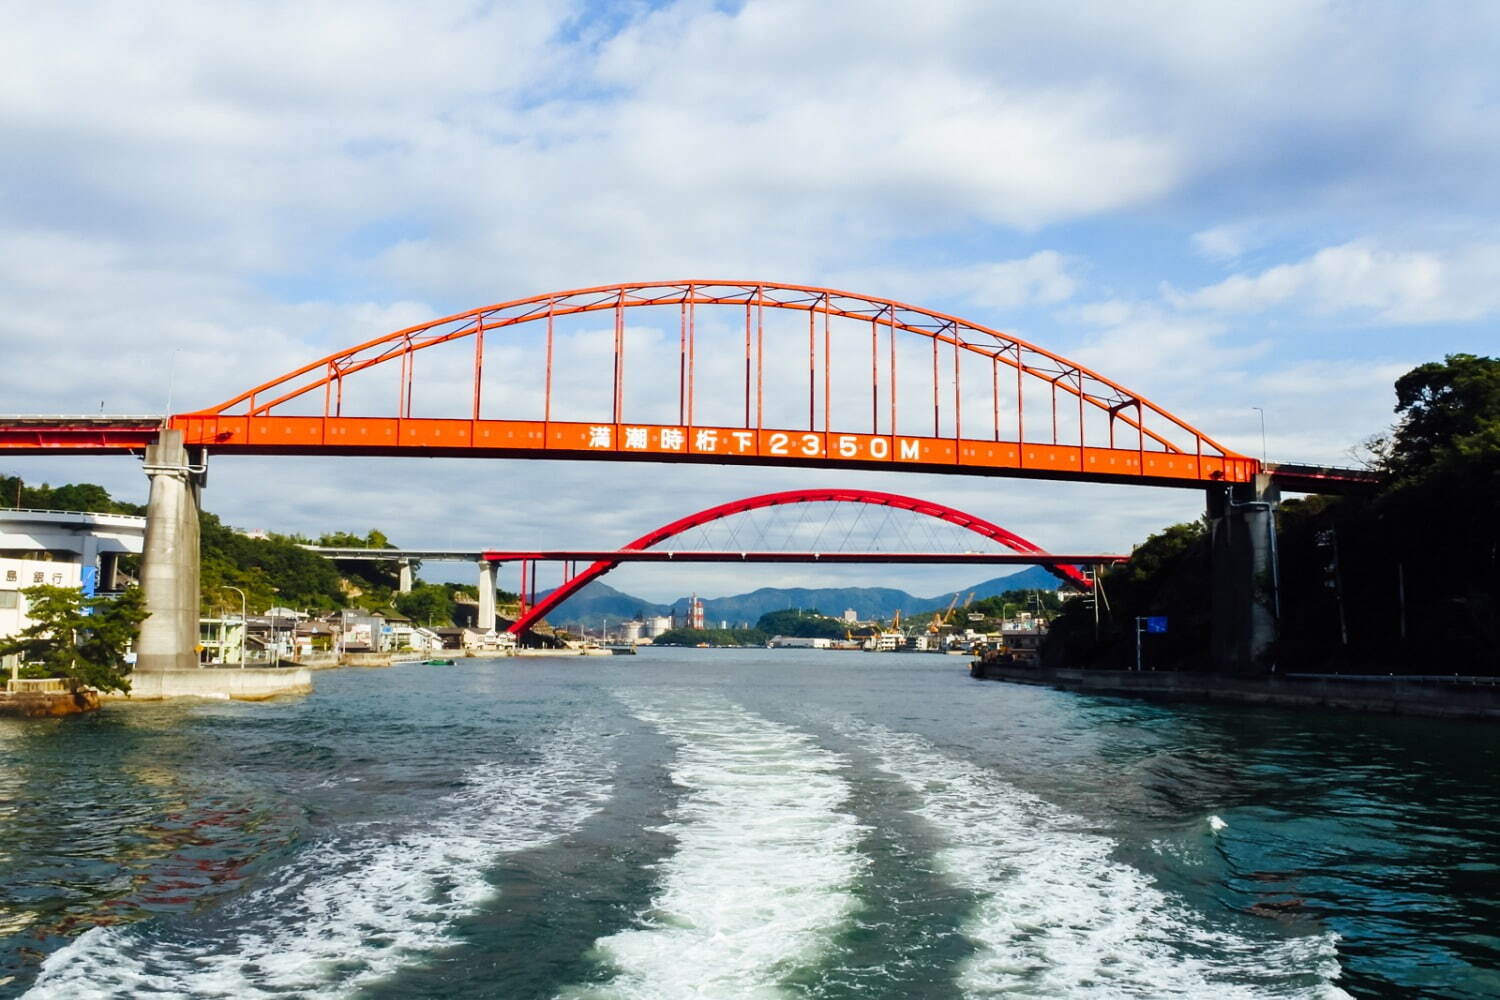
(1393, 695)
(241, 685)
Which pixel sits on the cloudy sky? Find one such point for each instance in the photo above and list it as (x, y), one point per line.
(1280, 205)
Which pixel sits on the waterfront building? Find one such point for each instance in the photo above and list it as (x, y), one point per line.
(221, 640)
(1023, 638)
(60, 549)
(18, 574)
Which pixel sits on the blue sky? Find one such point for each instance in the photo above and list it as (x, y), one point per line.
(1275, 205)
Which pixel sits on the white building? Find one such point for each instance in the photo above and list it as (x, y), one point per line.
(799, 642)
(850, 616)
(18, 574)
(60, 549)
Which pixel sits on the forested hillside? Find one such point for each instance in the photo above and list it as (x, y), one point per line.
(1405, 581)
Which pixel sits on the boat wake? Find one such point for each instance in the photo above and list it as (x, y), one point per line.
(760, 882)
(354, 908)
(1058, 917)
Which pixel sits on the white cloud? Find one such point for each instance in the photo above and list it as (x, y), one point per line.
(1390, 286)
(257, 184)
(1044, 278)
(1227, 243)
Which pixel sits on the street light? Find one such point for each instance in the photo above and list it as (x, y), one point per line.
(244, 624)
(1262, 433)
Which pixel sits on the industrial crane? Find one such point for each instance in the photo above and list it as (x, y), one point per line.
(939, 620)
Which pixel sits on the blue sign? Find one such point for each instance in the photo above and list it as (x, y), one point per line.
(1156, 624)
(90, 581)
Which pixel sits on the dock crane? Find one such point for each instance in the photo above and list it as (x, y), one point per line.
(939, 620)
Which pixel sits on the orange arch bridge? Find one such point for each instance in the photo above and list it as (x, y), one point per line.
(885, 386)
(1069, 574)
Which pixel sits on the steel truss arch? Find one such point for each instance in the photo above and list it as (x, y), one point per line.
(978, 525)
(1145, 442)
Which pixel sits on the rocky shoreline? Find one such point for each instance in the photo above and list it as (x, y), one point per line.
(48, 704)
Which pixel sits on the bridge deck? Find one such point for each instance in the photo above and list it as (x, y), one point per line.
(513, 439)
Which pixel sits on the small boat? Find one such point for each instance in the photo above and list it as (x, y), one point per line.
(441, 663)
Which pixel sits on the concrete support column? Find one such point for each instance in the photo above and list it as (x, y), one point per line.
(486, 595)
(1244, 576)
(403, 569)
(88, 561)
(109, 571)
(169, 562)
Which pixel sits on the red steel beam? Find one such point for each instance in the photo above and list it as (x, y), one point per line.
(727, 556)
(1067, 572)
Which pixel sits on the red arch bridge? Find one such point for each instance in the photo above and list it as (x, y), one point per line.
(718, 372)
(1004, 548)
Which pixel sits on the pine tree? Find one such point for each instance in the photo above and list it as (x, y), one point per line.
(79, 639)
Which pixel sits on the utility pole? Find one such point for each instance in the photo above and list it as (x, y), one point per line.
(1329, 540)
(1094, 599)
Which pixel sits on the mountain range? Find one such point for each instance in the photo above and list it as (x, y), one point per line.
(600, 600)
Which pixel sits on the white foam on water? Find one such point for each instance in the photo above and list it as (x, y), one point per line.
(765, 861)
(354, 908)
(1057, 916)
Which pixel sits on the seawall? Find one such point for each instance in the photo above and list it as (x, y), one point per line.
(240, 685)
(1433, 697)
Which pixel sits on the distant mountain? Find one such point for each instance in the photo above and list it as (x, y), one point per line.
(1030, 578)
(599, 600)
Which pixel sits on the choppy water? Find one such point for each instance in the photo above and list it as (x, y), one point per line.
(766, 824)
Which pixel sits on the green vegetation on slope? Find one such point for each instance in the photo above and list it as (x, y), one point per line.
(73, 496)
(1406, 581)
(803, 622)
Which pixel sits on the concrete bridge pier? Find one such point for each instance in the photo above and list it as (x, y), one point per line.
(403, 570)
(109, 571)
(169, 562)
(1244, 575)
(486, 595)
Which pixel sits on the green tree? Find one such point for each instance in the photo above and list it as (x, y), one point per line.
(274, 570)
(427, 604)
(73, 496)
(1165, 576)
(1011, 603)
(1450, 411)
(798, 622)
(80, 639)
(347, 540)
(1437, 517)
